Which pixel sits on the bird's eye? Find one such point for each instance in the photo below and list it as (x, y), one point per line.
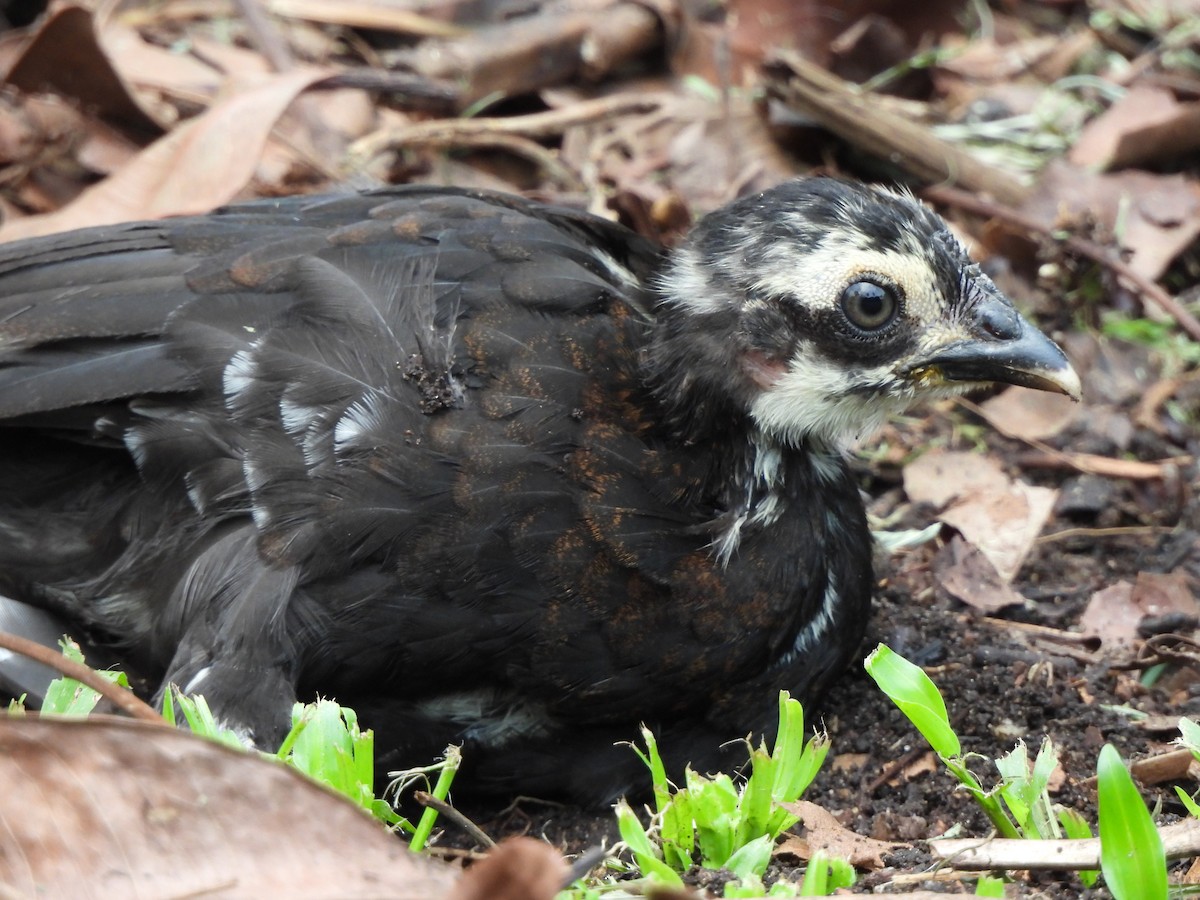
(869, 306)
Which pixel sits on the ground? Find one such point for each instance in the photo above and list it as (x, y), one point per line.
(1065, 134)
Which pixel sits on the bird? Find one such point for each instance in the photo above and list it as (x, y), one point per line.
(491, 471)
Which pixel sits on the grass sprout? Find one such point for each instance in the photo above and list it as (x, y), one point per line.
(1190, 740)
(716, 824)
(1131, 850)
(68, 697)
(1019, 806)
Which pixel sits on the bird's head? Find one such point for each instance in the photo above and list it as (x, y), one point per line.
(820, 307)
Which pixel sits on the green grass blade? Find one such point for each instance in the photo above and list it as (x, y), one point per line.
(635, 837)
(917, 696)
(1076, 827)
(1189, 802)
(1131, 851)
(987, 886)
(825, 874)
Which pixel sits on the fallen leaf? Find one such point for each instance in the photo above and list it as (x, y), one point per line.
(999, 516)
(1003, 525)
(1147, 125)
(1159, 594)
(824, 832)
(1111, 615)
(967, 575)
(200, 165)
(1156, 217)
(63, 56)
(127, 809)
(939, 476)
(1030, 415)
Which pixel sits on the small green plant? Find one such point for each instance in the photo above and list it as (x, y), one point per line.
(1190, 740)
(1131, 850)
(716, 824)
(919, 699)
(1019, 806)
(68, 697)
(825, 874)
(989, 886)
(1177, 350)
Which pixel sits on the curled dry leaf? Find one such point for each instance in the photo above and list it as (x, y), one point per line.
(1030, 415)
(63, 56)
(106, 807)
(967, 575)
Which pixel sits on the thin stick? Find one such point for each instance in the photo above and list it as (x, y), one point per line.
(474, 831)
(544, 124)
(1180, 841)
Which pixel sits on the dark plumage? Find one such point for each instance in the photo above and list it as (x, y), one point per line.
(486, 470)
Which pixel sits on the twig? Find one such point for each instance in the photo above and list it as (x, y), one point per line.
(1080, 462)
(120, 697)
(894, 768)
(474, 831)
(859, 118)
(535, 125)
(515, 144)
(266, 35)
(1180, 841)
(1089, 249)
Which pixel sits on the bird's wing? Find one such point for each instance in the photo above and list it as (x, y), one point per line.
(289, 391)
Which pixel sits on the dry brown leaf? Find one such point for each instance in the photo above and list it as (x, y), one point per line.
(1159, 593)
(999, 516)
(824, 832)
(1030, 415)
(1003, 524)
(1111, 615)
(939, 476)
(154, 72)
(1173, 765)
(968, 576)
(1146, 125)
(201, 164)
(1157, 216)
(64, 57)
(984, 59)
(924, 764)
(108, 807)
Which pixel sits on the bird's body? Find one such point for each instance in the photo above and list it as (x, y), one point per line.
(483, 469)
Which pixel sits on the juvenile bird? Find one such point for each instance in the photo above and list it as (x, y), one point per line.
(489, 471)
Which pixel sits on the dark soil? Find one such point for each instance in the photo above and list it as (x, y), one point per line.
(1002, 682)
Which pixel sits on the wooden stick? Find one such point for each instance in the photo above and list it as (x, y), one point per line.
(859, 118)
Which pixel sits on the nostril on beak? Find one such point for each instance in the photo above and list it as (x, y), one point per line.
(1000, 322)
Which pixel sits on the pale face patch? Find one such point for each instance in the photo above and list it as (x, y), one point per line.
(822, 401)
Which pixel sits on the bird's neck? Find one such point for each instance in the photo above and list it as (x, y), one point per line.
(757, 481)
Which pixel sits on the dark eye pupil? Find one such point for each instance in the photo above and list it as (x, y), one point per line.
(868, 305)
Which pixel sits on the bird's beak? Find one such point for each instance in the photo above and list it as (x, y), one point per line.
(1001, 347)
